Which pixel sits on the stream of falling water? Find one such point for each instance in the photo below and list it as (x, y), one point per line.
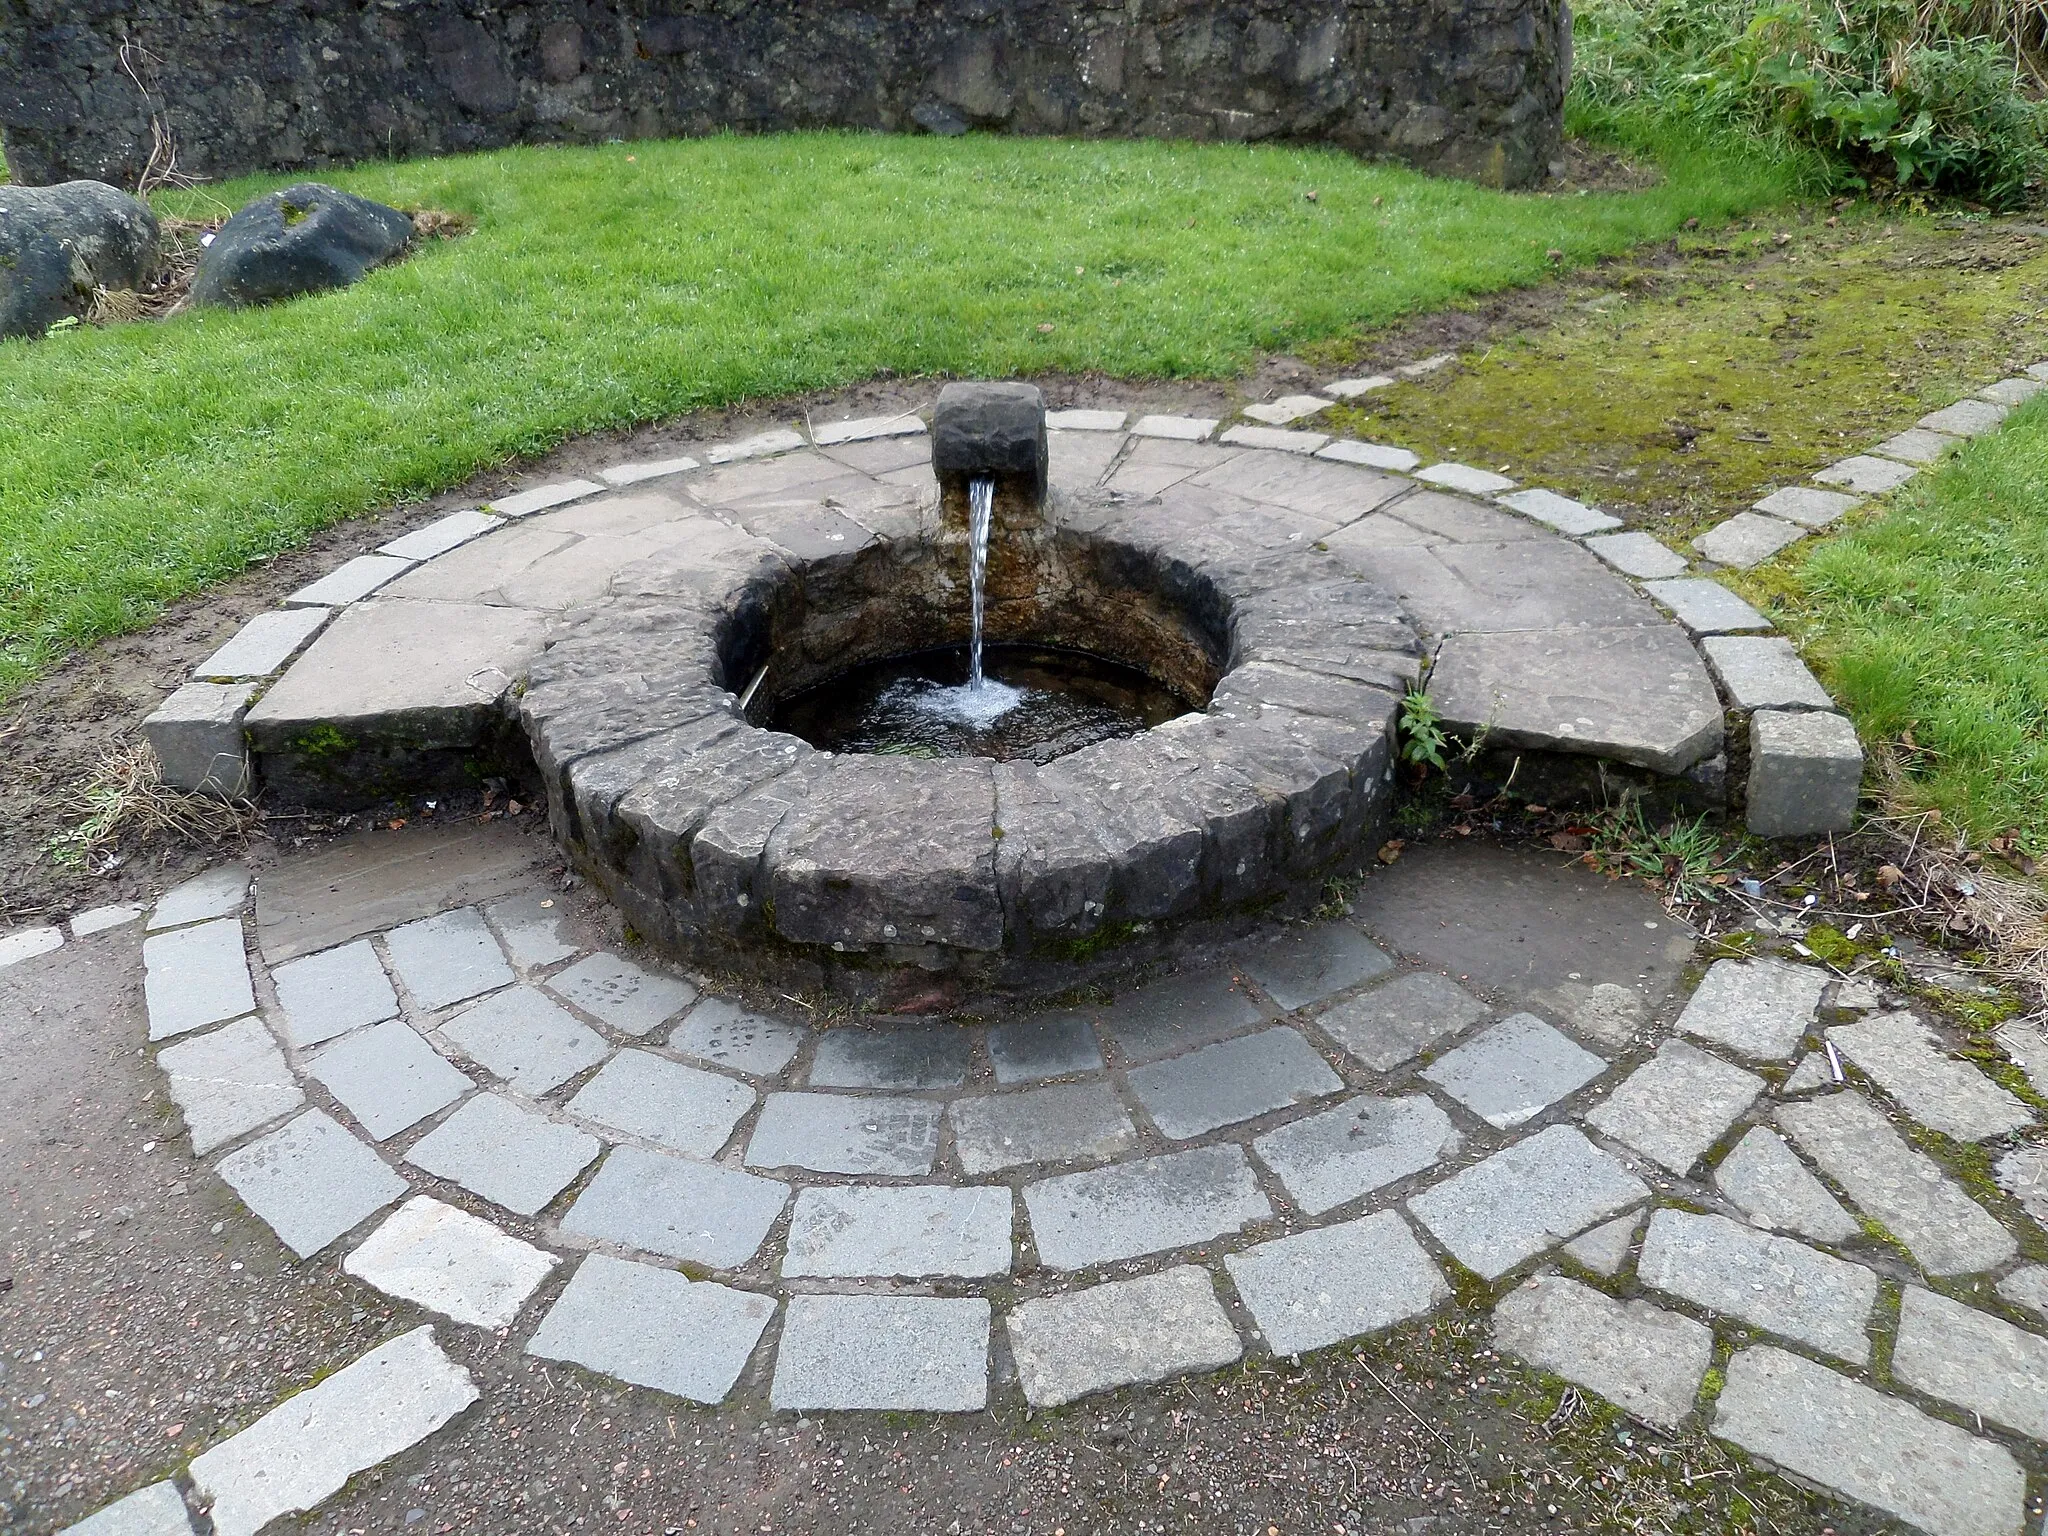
(981, 505)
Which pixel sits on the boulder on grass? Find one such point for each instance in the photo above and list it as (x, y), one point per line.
(305, 239)
(57, 244)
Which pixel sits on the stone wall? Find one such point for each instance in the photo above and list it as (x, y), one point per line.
(1469, 87)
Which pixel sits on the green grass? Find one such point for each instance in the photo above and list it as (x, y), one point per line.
(621, 284)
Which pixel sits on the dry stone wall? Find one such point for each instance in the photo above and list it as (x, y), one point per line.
(1469, 87)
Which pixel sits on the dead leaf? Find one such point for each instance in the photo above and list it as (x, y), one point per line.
(1891, 877)
(1567, 842)
(1391, 850)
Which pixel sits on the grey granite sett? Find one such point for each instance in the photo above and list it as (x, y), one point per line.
(534, 927)
(1231, 1081)
(1866, 474)
(351, 580)
(1706, 607)
(542, 497)
(388, 1077)
(2012, 391)
(1526, 1198)
(1274, 438)
(1066, 1122)
(193, 977)
(1278, 413)
(2027, 1287)
(1371, 455)
(1747, 539)
(1360, 1146)
(843, 1133)
(1515, 1070)
(760, 446)
(448, 958)
(727, 1035)
(1905, 1190)
(228, 1082)
(262, 645)
(1396, 1022)
(1762, 1008)
(197, 736)
(684, 1108)
(1299, 966)
(333, 992)
(1763, 672)
(1319, 1288)
(876, 1055)
(100, 919)
(1148, 1206)
(2023, 1174)
(440, 1257)
(1638, 554)
(1769, 1282)
(1086, 421)
(1605, 1249)
(216, 893)
(1805, 773)
(1120, 1334)
(654, 1328)
(1464, 477)
(1814, 1071)
(1646, 1361)
(630, 998)
(1773, 1188)
(1973, 1360)
(1190, 429)
(1676, 1105)
(158, 1510)
(1170, 1015)
(1804, 505)
(909, 1354)
(676, 1207)
(1044, 1045)
(526, 1038)
(506, 1153)
(1966, 418)
(647, 469)
(1901, 1055)
(22, 944)
(1916, 445)
(1820, 1425)
(437, 538)
(311, 1181)
(1573, 518)
(915, 1231)
(862, 429)
(1351, 389)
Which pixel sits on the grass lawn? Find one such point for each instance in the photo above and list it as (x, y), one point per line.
(619, 284)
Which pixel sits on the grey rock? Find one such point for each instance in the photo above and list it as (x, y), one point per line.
(310, 1181)
(193, 977)
(2025, 1044)
(726, 1035)
(333, 992)
(1904, 1190)
(304, 239)
(1916, 445)
(924, 1354)
(1805, 506)
(1966, 418)
(2023, 1174)
(1339, 1282)
(197, 736)
(1190, 1009)
(875, 1055)
(388, 1077)
(1772, 1283)
(841, 1133)
(526, 1038)
(1525, 1199)
(1148, 1206)
(915, 1231)
(1774, 1189)
(1607, 1012)
(1325, 1160)
(682, 1108)
(654, 1328)
(1875, 1449)
(506, 1153)
(2027, 1287)
(1231, 1081)
(629, 997)
(1644, 1360)
(218, 892)
(1763, 672)
(1299, 966)
(1805, 774)
(1676, 1105)
(1120, 1334)
(1047, 1045)
(1573, 518)
(1761, 1008)
(448, 958)
(1513, 1071)
(2011, 391)
(1464, 477)
(677, 1208)
(1975, 1361)
(228, 1083)
(1638, 555)
(1706, 607)
(1396, 1022)
(1901, 1055)
(1605, 1249)
(57, 244)
(442, 1258)
(1066, 1122)
(1866, 475)
(534, 928)
(261, 646)
(158, 1510)
(1747, 539)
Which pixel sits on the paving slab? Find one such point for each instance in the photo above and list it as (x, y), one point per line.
(1188, 429)
(1339, 1282)
(262, 645)
(1302, 965)
(1278, 413)
(505, 1153)
(1966, 418)
(1062, 1123)
(1772, 1283)
(305, 1449)
(350, 581)
(1045, 1045)
(1765, 1178)
(1172, 1014)
(99, 919)
(1804, 505)
(1638, 554)
(654, 1328)
(1916, 445)
(1529, 583)
(1526, 1198)
(442, 535)
(876, 1055)
(1805, 773)
(1706, 607)
(1121, 1334)
(1148, 1206)
(1398, 1021)
(1573, 518)
(1866, 474)
(682, 1108)
(1511, 1072)
(448, 958)
(388, 1077)
(1973, 1360)
(193, 977)
(333, 992)
(1326, 1160)
(678, 1208)
(1605, 1249)
(1351, 389)
(727, 1035)
(534, 928)
(1232, 1081)
(1467, 478)
(1646, 1361)
(158, 1510)
(228, 1083)
(760, 446)
(1901, 1055)
(1763, 672)
(1371, 455)
(542, 497)
(843, 1133)
(451, 1262)
(1676, 1105)
(911, 1231)
(1323, 496)
(311, 1181)
(1762, 1008)
(1446, 520)
(862, 429)
(1747, 539)
(909, 1354)
(1275, 439)
(216, 893)
(641, 472)
(628, 997)
(525, 1037)
(1869, 1447)
(1902, 1189)
(1086, 421)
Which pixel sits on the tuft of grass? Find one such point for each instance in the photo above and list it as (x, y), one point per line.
(123, 802)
